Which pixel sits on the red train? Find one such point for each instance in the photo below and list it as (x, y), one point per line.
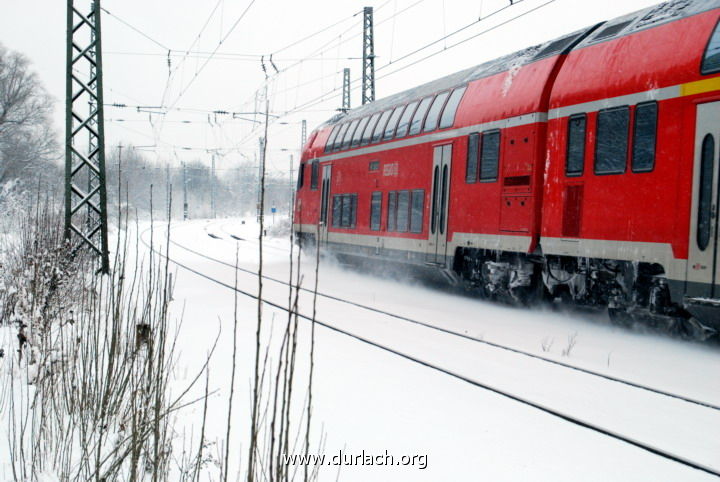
(585, 169)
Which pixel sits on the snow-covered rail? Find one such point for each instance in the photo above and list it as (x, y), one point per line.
(546, 406)
(441, 329)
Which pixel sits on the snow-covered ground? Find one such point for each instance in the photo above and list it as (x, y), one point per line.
(368, 400)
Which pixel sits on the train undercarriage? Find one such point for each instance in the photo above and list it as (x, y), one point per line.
(631, 292)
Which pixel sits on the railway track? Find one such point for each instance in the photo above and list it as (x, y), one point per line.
(544, 407)
(440, 329)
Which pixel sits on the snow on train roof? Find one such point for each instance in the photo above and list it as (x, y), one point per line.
(647, 18)
(492, 67)
(620, 26)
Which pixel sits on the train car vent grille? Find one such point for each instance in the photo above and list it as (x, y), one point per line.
(517, 181)
(572, 212)
(556, 47)
(611, 31)
(663, 13)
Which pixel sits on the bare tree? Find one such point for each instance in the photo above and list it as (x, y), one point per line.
(28, 144)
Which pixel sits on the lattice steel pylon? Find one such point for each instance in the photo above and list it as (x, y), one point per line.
(368, 77)
(85, 190)
(346, 90)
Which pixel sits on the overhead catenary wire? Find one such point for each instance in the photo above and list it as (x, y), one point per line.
(220, 43)
(490, 29)
(137, 30)
(307, 105)
(336, 42)
(323, 97)
(212, 54)
(179, 64)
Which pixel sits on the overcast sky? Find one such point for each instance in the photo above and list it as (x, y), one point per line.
(139, 34)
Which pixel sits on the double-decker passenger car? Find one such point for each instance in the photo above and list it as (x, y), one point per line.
(585, 168)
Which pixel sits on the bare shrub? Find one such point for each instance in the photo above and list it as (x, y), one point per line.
(572, 341)
(87, 394)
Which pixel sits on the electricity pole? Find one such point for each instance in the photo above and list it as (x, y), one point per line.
(368, 77)
(185, 197)
(85, 161)
(212, 187)
(261, 159)
(346, 90)
(303, 134)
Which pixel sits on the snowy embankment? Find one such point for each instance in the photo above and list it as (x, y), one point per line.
(368, 400)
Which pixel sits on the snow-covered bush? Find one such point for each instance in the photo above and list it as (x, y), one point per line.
(86, 360)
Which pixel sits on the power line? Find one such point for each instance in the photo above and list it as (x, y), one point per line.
(321, 98)
(182, 60)
(332, 44)
(469, 38)
(322, 30)
(223, 56)
(199, 71)
(455, 32)
(135, 29)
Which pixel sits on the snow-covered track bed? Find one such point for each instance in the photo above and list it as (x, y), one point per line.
(673, 426)
(434, 326)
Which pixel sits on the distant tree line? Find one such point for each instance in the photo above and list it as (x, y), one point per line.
(235, 188)
(31, 157)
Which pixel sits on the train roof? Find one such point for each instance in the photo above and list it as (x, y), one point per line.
(627, 24)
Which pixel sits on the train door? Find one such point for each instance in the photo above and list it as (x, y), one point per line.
(324, 203)
(440, 195)
(703, 271)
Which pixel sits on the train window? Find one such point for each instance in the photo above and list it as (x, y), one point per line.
(339, 138)
(404, 124)
(380, 127)
(644, 137)
(448, 115)
(403, 210)
(367, 135)
(314, 174)
(344, 210)
(392, 123)
(431, 121)
(375, 211)
(417, 205)
(336, 211)
(612, 140)
(331, 139)
(349, 134)
(419, 116)
(575, 160)
(704, 220)
(392, 210)
(301, 176)
(359, 132)
(472, 158)
(374, 166)
(711, 59)
(490, 155)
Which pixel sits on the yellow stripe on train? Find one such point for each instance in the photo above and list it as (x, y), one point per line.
(700, 86)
